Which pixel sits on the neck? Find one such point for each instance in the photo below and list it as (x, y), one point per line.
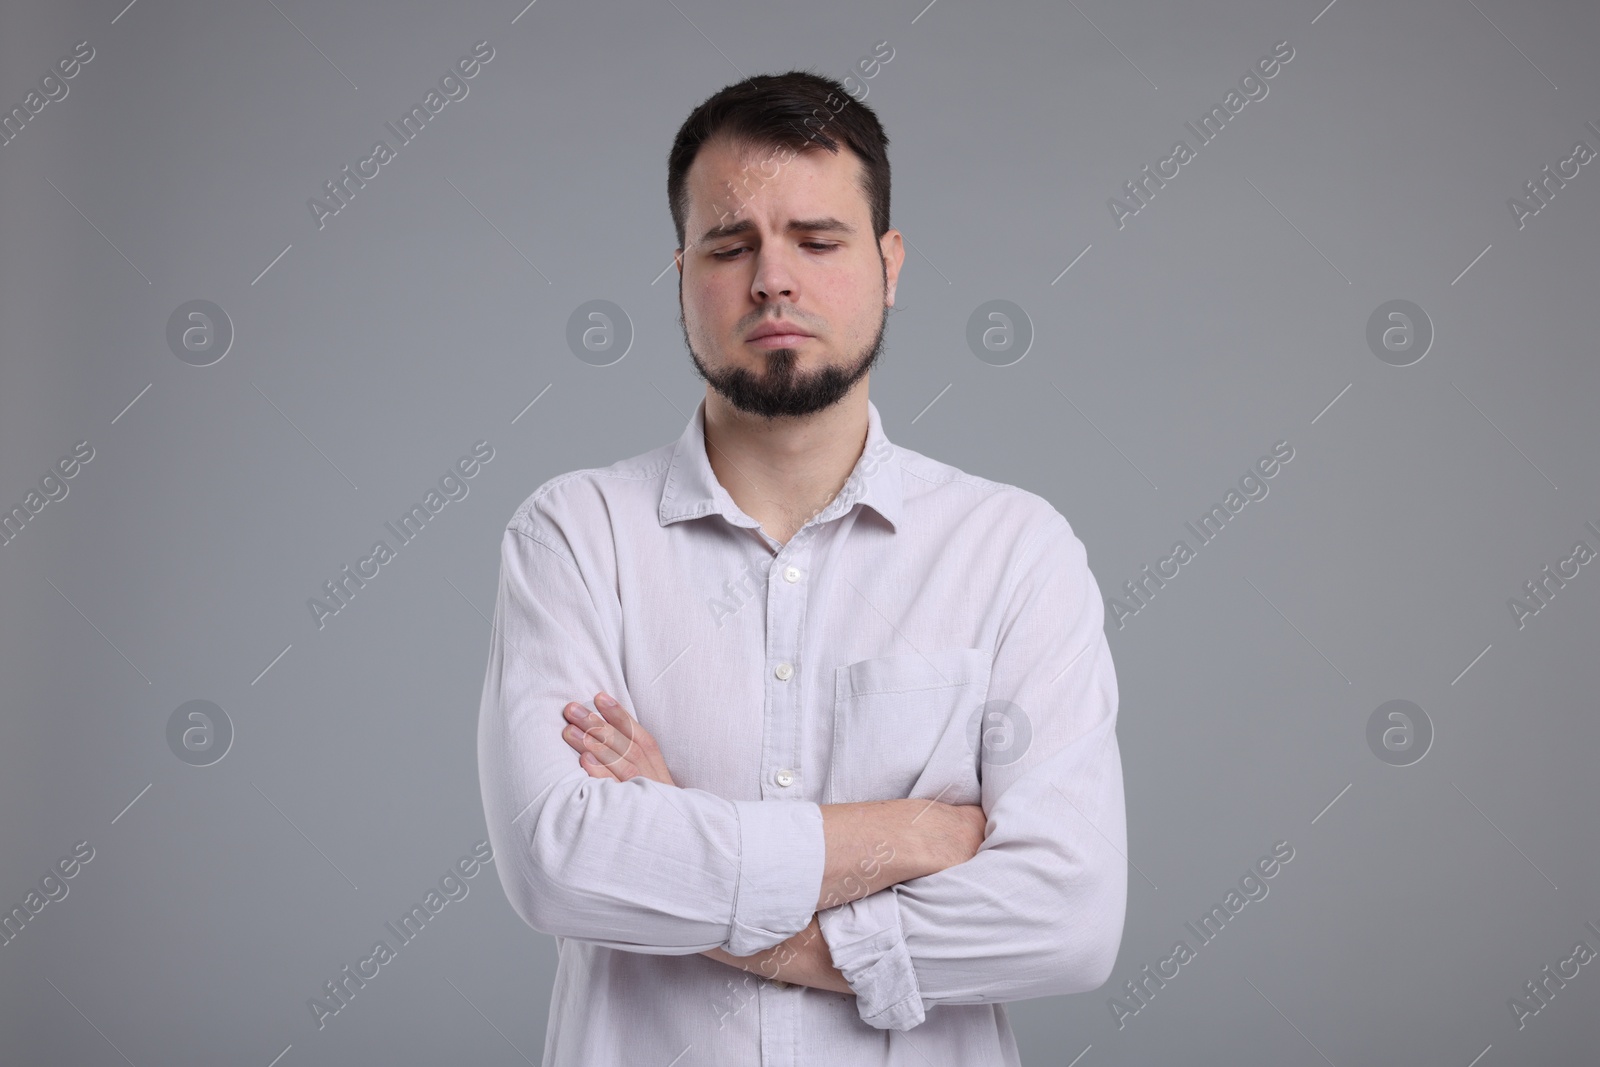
(783, 471)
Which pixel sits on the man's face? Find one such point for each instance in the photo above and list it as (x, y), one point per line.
(793, 248)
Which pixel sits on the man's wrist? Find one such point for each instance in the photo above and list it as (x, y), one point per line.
(803, 959)
(917, 854)
(871, 846)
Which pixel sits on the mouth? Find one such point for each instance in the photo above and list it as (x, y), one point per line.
(776, 333)
(777, 340)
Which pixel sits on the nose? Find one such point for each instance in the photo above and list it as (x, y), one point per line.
(773, 277)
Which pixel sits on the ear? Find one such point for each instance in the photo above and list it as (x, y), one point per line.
(892, 247)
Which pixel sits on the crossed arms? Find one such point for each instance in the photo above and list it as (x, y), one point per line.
(910, 916)
(870, 846)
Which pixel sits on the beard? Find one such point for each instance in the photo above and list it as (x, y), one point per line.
(778, 390)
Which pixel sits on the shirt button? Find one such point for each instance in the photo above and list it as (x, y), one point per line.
(791, 574)
(784, 672)
(784, 777)
(780, 983)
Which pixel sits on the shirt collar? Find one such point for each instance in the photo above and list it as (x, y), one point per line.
(692, 488)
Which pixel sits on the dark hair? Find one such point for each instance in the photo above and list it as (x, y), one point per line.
(797, 111)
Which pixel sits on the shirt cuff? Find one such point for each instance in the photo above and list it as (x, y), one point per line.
(782, 856)
(869, 948)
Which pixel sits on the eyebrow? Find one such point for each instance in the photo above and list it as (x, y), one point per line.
(743, 226)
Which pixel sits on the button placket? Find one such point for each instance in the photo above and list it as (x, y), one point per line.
(787, 601)
(786, 608)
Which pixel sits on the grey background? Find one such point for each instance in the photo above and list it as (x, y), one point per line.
(1229, 314)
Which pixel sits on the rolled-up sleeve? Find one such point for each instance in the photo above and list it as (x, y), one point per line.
(639, 865)
(1039, 910)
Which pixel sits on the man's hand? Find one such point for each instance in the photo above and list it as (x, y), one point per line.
(951, 834)
(612, 744)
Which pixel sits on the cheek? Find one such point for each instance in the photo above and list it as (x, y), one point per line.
(852, 305)
(705, 298)
(713, 307)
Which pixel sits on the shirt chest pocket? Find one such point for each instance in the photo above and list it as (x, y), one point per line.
(906, 726)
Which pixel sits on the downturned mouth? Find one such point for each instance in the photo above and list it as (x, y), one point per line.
(780, 333)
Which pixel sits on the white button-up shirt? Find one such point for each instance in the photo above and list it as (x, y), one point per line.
(928, 634)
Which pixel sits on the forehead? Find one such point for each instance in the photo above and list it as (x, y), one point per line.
(730, 181)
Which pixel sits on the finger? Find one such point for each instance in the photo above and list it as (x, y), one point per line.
(617, 737)
(617, 715)
(594, 768)
(617, 767)
(598, 740)
(593, 765)
(643, 749)
(589, 732)
(591, 746)
(576, 739)
(618, 740)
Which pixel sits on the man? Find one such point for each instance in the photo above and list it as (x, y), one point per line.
(851, 778)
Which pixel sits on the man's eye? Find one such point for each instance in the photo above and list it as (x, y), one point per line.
(820, 246)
